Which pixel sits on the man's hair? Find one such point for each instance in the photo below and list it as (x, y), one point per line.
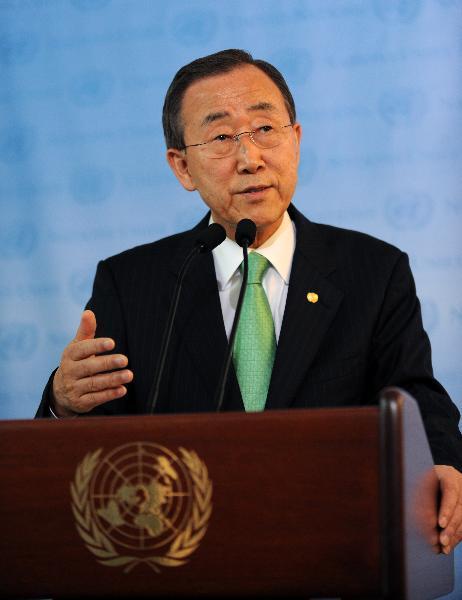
(207, 66)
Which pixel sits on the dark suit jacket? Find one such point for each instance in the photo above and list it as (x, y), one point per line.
(364, 333)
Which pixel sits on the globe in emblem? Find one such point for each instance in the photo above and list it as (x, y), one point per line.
(138, 498)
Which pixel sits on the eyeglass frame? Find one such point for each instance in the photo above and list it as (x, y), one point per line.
(236, 139)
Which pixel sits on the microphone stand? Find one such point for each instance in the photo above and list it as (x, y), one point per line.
(212, 237)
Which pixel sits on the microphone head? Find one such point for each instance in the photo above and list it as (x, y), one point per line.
(246, 231)
(210, 238)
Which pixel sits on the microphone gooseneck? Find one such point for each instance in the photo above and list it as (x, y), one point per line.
(206, 241)
(246, 231)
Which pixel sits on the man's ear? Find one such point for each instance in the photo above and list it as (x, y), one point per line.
(178, 162)
(298, 138)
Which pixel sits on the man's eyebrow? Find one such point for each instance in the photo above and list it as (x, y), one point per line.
(262, 106)
(211, 117)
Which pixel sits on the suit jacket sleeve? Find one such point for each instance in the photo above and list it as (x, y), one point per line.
(401, 356)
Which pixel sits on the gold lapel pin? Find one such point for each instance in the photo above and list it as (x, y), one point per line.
(312, 297)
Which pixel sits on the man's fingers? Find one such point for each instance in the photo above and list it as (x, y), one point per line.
(450, 514)
(89, 401)
(86, 348)
(98, 364)
(87, 326)
(451, 535)
(450, 496)
(455, 540)
(99, 383)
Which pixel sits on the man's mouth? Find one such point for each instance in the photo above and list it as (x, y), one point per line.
(253, 189)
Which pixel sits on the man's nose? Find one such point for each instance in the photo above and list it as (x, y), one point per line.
(249, 157)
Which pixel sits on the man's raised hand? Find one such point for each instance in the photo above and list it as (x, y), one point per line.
(84, 378)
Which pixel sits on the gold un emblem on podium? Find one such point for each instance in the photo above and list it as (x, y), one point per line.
(141, 504)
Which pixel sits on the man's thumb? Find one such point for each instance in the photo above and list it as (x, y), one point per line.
(87, 327)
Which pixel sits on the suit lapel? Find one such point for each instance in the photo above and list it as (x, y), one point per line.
(305, 323)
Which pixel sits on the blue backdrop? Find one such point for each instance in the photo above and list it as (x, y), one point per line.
(83, 175)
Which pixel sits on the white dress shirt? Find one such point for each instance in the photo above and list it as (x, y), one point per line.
(279, 250)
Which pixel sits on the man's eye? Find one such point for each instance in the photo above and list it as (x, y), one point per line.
(265, 129)
(222, 137)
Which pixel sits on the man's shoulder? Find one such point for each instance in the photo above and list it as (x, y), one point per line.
(342, 242)
(353, 258)
(158, 251)
(358, 241)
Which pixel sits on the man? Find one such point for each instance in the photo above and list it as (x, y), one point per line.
(346, 318)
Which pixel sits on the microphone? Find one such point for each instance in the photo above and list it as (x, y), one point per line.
(210, 238)
(246, 231)
(206, 241)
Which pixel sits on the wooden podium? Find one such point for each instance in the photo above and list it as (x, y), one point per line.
(298, 503)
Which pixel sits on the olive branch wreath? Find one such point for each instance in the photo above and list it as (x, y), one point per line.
(182, 546)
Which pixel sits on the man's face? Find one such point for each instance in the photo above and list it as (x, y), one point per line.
(252, 182)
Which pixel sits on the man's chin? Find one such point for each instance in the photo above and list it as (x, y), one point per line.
(267, 219)
(261, 214)
(266, 227)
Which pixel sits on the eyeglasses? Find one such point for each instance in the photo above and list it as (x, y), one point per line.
(224, 145)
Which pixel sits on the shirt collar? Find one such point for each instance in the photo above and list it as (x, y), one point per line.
(278, 249)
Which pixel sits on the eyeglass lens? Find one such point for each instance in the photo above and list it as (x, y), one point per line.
(262, 138)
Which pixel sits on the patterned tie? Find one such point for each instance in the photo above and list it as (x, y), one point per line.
(255, 342)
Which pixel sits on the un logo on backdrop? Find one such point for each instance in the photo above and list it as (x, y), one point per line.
(193, 27)
(91, 185)
(401, 11)
(92, 88)
(16, 144)
(18, 47)
(402, 106)
(17, 240)
(411, 210)
(18, 341)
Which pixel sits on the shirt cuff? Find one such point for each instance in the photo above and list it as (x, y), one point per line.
(55, 416)
(52, 413)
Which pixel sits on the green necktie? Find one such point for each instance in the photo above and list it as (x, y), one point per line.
(255, 342)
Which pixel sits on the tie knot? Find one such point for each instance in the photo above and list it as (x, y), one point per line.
(257, 267)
